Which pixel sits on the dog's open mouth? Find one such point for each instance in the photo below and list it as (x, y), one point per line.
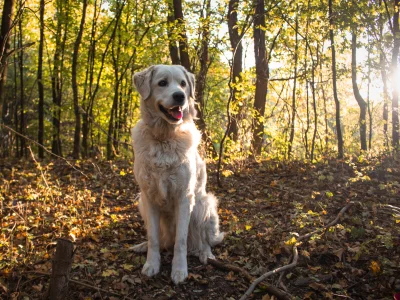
(174, 113)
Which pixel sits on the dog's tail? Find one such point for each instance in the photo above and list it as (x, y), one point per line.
(214, 236)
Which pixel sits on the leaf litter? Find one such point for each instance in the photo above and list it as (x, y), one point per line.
(263, 207)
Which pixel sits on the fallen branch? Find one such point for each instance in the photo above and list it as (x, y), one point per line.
(269, 288)
(295, 252)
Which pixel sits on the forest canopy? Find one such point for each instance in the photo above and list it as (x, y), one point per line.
(298, 79)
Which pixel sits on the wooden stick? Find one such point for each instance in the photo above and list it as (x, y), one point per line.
(269, 288)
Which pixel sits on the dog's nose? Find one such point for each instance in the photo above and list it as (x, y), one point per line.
(179, 97)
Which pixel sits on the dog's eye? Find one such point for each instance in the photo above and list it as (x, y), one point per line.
(183, 83)
(163, 83)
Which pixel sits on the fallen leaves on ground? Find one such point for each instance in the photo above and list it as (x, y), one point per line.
(264, 206)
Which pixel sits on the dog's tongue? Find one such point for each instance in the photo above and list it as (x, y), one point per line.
(176, 112)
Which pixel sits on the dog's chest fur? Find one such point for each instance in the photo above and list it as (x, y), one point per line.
(165, 166)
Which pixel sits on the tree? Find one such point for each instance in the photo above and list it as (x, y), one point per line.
(40, 81)
(171, 29)
(204, 65)
(395, 88)
(360, 100)
(77, 134)
(6, 24)
(57, 74)
(183, 40)
(262, 75)
(334, 82)
(237, 63)
(293, 119)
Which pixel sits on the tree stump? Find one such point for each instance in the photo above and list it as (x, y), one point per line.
(61, 267)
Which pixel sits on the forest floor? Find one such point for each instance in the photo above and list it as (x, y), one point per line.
(263, 207)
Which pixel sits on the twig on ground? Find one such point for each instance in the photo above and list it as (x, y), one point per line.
(295, 252)
(280, 294)
(275, 271)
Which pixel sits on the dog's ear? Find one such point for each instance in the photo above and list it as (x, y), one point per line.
(142, 82)
(190, 79)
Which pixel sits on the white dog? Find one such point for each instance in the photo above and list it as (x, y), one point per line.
(174, 204)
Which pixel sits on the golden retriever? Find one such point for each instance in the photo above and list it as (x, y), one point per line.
(177, 211)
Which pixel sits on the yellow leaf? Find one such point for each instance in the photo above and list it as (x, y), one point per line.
(291, 242)
(122, 173)
(375, 267)
(127, 267)
(248, 227)
(109, 272)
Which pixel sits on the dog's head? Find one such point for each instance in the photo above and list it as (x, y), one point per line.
(167, 92)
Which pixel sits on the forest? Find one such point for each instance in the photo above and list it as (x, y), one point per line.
(297, 103)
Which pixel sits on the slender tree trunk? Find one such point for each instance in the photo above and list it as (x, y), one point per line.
(56, 79)
(75, 54)
(262, 75)
(204, 64)
(325, 109)
(334, 82)
(237, 64)
(22, 86)
(369, 104)
(87, 115)
(307, 102)
(293, 120)
(183, 40)
(40, 81)
(361, 102)
(313, 66)
(385, 100)
(395, 89)
(6, 22)
(171, 28)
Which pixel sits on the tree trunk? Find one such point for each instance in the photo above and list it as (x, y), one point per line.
(171, 28)
(237, 65)
(293, 120)
(77, 134)
(89, 76)
(6, 22)
(262, 76)
(40, 81)
(395, 89)
(361, 102)
(204, 64)
(314, 106)
(56, 79)
(335, 95)
(22, 124)
(385, 100)
(183, 40)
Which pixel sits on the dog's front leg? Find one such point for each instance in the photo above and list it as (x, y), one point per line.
(152, 265)
(179, 263)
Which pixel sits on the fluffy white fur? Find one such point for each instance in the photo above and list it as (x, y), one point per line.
(177, 211)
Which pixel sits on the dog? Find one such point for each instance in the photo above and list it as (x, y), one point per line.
(177, 211)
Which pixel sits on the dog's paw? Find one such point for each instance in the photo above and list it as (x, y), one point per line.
(204, 256)
(178, 276)
(150, 269)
